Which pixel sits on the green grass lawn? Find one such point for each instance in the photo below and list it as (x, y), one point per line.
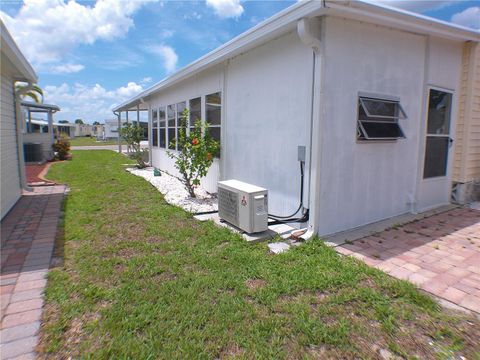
(90, 141)
(144, 280)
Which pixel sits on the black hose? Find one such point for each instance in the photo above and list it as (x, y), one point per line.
(206, 212)
(303, 219)
(301, 198)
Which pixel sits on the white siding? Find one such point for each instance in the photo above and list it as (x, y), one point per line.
(362, 183)
(10, 180)
(467, 142)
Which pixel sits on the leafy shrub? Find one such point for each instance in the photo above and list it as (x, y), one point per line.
(61, 147)
(196, 152)
(133, 135)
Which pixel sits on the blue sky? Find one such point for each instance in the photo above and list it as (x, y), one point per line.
(92, 55)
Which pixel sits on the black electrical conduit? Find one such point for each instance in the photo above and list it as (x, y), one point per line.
(277, 219)
(288, 217)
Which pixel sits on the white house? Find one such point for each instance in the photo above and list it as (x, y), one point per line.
(368, 91)
(111, 129)
(41, 133)
(14, 67)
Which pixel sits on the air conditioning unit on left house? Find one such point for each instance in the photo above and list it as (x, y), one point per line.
(243, 205)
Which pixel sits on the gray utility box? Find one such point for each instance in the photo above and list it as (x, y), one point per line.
(243, 205)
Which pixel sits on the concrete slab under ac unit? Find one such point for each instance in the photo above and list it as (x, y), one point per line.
(282, 230)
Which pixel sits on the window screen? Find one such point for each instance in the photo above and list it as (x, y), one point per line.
(213, 110)
(181, 122)
(438, 133)
(378, 119)
(436, 155)
(154, 127)
(162, 125)
(171, 126)
(195, 110)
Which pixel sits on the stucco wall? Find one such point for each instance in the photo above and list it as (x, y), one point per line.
(267, 116)
(10, 180)
(366, 182)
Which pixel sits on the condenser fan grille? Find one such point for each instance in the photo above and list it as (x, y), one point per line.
(228, 205)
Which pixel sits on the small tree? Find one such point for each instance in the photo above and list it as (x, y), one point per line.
(196, 152)
(61, 147)
(79, 121)
(133, 135)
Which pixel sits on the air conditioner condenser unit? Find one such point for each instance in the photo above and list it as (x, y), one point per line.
(243, 205)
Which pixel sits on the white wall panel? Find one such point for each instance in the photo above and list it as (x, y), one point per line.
(366, 182)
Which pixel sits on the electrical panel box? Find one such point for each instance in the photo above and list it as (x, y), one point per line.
(302, 153)
(243, 205)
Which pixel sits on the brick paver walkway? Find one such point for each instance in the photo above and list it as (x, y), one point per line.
(28, 236)
(35, 173)
(440, 254)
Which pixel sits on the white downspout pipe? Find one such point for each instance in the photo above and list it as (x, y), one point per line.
(309, 32)
(19, 133)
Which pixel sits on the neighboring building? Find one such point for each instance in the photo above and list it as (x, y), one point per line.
(39, 135)
(111, 129)
(14, 67)
(368, 93)
(83, 130)
(466, 169)
(98, 131)
(40, 126)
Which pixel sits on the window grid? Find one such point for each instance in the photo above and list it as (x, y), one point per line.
(169, 119)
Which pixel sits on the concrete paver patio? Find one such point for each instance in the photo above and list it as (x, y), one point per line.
(28, 237)
(440, 254)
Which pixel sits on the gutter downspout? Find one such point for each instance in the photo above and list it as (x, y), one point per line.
(19, 133)
(309, 31)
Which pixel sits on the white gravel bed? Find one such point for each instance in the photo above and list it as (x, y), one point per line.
(175, 193)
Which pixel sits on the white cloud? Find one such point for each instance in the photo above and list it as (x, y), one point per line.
(67, 68)
(226, 8)
(91, 103)
(469, 17)
(146, 80)
(46, 30)
(167, 54)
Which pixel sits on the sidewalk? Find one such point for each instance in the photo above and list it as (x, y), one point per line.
(28, 236)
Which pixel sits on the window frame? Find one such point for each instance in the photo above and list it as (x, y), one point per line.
(448, 137)
(155, 127)
(215, 126)
(362, 135)
(176, 118)
(164, 127)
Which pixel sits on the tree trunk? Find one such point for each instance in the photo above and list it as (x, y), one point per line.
(190, 189)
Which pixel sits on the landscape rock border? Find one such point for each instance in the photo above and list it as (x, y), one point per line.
(175, 193)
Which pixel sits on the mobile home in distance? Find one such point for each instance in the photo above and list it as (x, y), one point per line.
(368, 93)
